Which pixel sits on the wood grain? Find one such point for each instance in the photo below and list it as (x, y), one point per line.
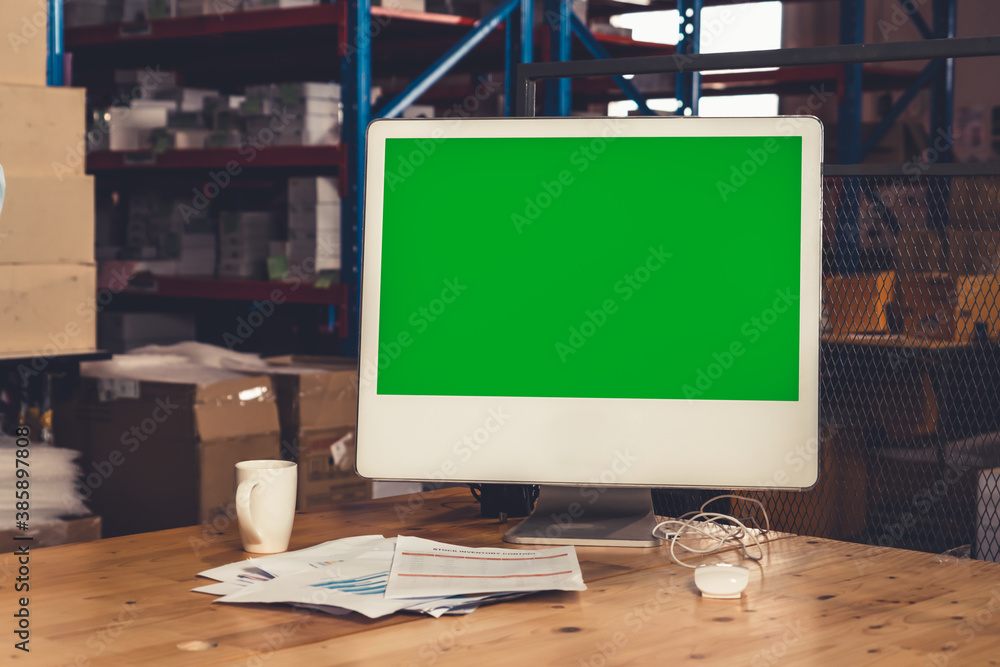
(127, 601)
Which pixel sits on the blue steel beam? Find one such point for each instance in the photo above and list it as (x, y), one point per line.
(55, 38)
(880, 130)
(442, 65)
(356, 76)
(508, 64)
(852, 31)
(527, 51)
(558, 92)
(913, 11)
(689, 43)
(527, 31)
(943, 98)
(942, 114)
(598, 51)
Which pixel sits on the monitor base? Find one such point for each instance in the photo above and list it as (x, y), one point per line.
(589, 516)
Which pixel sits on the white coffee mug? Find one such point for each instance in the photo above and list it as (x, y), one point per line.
(265, 504)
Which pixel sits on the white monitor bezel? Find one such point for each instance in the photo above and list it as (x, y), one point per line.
(452, 439)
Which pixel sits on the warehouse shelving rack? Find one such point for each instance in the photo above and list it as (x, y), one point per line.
(227, 47)
(225, 43)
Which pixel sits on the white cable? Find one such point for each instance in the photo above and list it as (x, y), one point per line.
(706, 525)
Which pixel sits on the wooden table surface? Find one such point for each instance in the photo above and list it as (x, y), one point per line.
(127, 601)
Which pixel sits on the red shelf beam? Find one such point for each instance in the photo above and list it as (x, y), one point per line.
(205, 26)
(242, 290)
(217, 158)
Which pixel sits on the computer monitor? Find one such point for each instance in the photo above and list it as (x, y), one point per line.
(597, 305)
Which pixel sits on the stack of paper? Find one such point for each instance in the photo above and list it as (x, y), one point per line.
(376, 576)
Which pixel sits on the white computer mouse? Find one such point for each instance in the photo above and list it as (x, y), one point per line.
(721, 580)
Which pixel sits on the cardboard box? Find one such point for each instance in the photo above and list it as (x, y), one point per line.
(927, 304)
(24, 23)
(919, 250)
(47, 221)
(859, 303)
(160, 442)
(973, 251)
(42, 130)
(47, 308)
(55, 533)
(318, 405)
(323, 484)
(977, 307)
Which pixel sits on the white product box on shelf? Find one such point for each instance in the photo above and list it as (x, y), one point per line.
(320, 216)
(313, 189)
(130, 128)
(419, 111)
(310, 130)
(190, 139)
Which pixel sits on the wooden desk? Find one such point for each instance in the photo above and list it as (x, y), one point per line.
(126, 601)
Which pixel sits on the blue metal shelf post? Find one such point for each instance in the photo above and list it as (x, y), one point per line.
(688, 43)
(852, 31)
(942, 114)
(55, 37)
(356, 77)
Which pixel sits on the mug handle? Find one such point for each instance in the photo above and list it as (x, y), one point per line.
(243, 510)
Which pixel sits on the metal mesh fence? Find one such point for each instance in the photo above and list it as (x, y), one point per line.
(910, 369)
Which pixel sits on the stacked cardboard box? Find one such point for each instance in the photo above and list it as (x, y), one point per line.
(160, 438)
(318, 407)
(47, 275)
(313, 224)
(858, 303)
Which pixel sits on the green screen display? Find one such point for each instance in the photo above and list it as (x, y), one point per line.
(627, 267)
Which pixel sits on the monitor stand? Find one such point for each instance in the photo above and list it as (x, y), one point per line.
(589, 516)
